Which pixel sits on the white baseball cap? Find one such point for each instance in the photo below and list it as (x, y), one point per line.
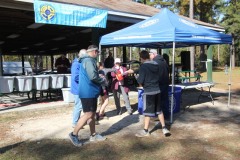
(117, 60)
(154, 51)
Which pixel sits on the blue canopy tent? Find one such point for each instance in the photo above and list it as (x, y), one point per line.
(165, 30)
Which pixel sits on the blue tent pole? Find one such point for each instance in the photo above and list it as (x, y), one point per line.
(173, 78)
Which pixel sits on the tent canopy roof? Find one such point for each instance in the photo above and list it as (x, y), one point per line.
(161, 30)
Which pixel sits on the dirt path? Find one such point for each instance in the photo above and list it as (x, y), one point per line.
(202, 123)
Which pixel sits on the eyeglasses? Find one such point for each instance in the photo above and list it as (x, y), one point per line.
(97, 51)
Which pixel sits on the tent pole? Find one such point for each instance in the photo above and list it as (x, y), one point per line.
(1, 63)
(99, 56)
(173, 78)
(229, 78)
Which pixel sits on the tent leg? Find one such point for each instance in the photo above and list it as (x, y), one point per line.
(173, 78)
(1, 63)
(100, 55)
(229, 78)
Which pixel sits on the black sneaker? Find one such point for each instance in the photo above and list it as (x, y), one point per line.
(74, 139)
(97, 116)
(130, 112)
(166, 132)
(119, 112)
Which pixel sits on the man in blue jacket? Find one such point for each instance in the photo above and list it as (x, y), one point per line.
(89, 90)
(74, 87)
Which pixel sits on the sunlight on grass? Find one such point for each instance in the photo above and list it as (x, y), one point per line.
(222, 80)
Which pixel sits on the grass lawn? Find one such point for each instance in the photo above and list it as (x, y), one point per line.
(222, 80)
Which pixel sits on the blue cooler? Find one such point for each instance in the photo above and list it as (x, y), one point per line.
(176, 99)
(140, 101)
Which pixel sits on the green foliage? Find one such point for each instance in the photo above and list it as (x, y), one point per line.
(231, 20)
(170, 4)
(204, 10)
(224, 54)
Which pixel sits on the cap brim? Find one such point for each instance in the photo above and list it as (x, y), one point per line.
(93, 49)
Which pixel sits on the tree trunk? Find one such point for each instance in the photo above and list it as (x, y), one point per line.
(192, 49)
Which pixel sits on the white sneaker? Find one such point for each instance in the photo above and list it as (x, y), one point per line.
(166, 132)
(142, 133)
(97, 137)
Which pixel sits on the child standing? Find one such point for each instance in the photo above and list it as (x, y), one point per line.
(103, 90)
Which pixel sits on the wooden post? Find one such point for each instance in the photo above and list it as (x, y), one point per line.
(192, 49)
(23, 67)
(124, 55)
(52, 62)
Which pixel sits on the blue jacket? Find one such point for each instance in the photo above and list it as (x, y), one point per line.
(75, 76)
(89, 80)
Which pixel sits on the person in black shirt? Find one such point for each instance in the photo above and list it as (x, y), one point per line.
(109, 61)
(62, 64)
(164, 80)
(149, 80)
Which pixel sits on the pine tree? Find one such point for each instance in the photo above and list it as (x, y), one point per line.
(204, 10)
(231, 22)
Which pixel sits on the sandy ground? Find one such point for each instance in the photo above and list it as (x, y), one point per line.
(59, 125)
(204, 121)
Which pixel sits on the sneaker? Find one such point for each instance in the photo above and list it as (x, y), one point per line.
(97, 122)
(97, 137)
(119, 111)
(97, 116)
(74, 139)
(102, 116)
(130, 112)
(142, 133)
(166, 132)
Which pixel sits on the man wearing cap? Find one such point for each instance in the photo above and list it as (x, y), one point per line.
(164, 79)
(74, 87)
(89, 90)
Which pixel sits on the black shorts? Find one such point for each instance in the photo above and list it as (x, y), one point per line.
(152, 105)
(102, 93)
(89, 104)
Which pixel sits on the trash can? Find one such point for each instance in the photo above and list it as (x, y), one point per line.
(23, 83)
(176, 99)
(41, 82)
(56, 81)
(67, 81)
(68, 97)
(6, 84)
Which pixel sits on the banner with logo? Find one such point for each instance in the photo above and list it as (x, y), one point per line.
(71, 15)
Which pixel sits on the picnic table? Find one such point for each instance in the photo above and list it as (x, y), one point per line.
(198, 85)
(186, 76)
